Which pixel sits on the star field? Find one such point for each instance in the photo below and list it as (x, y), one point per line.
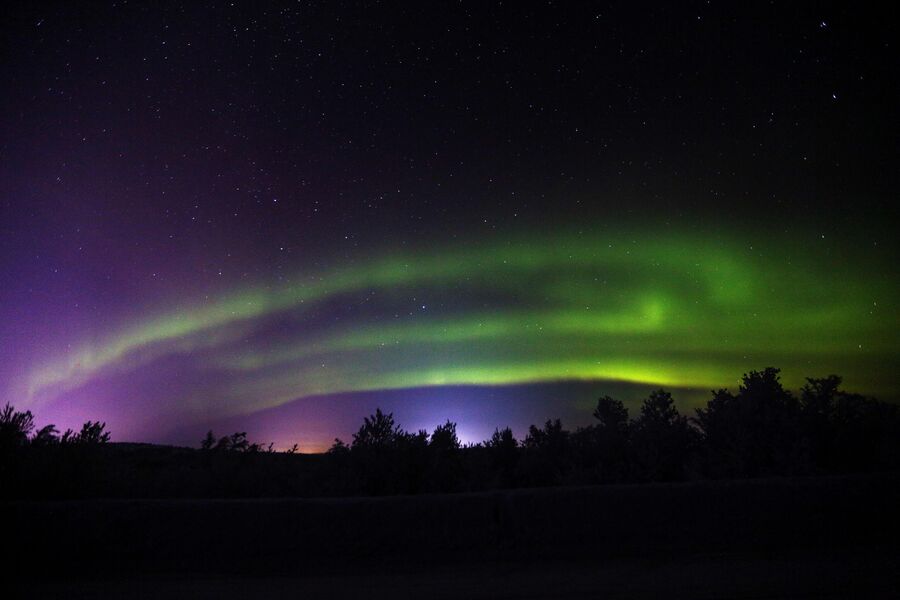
(214, 209)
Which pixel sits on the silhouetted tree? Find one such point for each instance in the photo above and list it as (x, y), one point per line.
(502, 440)
(337, 448)
(503, 450)
(867, 432)
(15, 427)
(612, 415)
(602, 450)
(209, 441)
(444, 471)
(546, 457)
(378, 462)
(91, 434)
(753, 433)
(238, 442)
(444, 438)
(552, 438)
(818, 403)
(378, 431)
(661, 438)
(411, 459)
(45, 436)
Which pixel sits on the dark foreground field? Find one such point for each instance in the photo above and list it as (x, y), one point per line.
(817, 537)
(836, 575)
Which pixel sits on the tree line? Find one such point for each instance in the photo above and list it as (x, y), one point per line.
(760, 430)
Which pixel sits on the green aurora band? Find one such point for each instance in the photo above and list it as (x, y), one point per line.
(681, 310)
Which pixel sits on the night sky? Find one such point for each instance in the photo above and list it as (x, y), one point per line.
(274, 217)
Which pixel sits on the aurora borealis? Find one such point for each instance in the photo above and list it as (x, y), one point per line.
(191, 240)
(677, 310)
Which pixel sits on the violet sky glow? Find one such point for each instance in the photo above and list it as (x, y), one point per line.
(276, 218)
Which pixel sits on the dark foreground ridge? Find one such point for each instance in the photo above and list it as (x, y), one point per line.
(838, 520)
